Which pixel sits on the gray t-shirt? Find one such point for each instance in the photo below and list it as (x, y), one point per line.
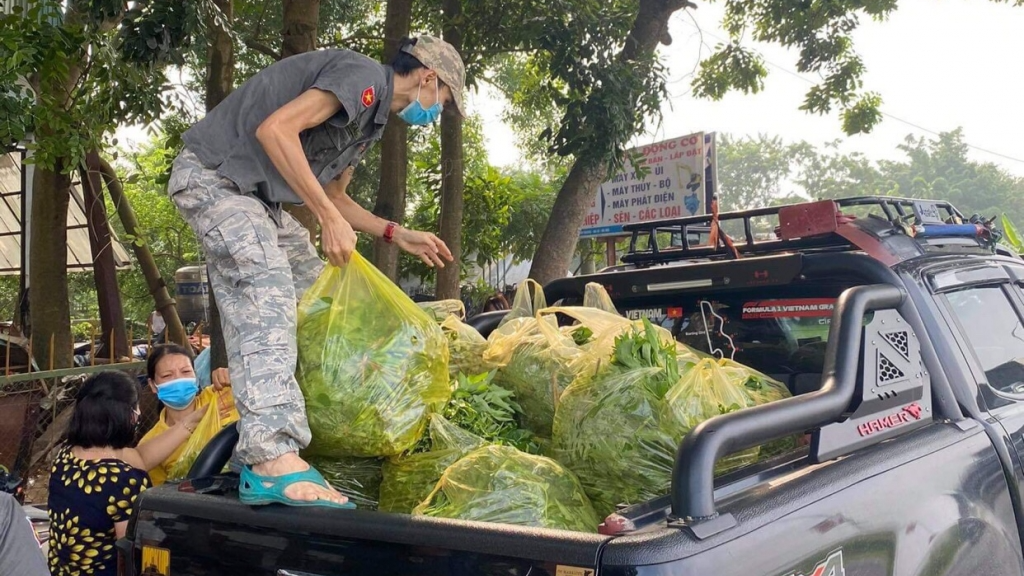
(225, 139)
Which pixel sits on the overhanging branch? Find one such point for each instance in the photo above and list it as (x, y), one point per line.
(262, 49)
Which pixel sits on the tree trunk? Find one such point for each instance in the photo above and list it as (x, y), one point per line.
(220, 67)
(50, 311)
(301, 21)
(220, 76)
(48, 273)
(556, 246)
(394, 153)
(157, 287)
(114, 335)
(452, 171)
(554, 253)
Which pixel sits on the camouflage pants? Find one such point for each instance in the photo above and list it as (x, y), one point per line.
(260, 262)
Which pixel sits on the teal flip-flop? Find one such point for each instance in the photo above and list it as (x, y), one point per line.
(253, 489)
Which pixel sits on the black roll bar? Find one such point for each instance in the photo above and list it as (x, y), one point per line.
(693, 489)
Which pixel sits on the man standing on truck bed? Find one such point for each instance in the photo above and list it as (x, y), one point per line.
(293, 134)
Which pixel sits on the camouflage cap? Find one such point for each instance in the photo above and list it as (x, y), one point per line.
(441, 57)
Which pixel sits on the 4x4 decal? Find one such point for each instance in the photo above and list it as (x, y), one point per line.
(831, 566)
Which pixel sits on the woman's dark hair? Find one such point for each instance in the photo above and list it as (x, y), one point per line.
(404, 63)
(105, 412)
(496, 302)
(159, 352)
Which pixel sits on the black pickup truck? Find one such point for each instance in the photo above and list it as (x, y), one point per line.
(897, 324)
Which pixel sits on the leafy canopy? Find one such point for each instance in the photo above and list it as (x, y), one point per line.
(72, 72)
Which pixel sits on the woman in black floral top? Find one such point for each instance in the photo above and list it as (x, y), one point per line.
(97, 476)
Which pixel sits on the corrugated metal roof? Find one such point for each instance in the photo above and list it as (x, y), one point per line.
(79, 252)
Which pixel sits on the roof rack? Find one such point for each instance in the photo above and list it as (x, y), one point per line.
(808, 226)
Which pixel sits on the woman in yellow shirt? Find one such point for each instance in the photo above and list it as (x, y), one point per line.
(173, 379)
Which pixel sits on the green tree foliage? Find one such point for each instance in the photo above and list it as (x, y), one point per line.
(755, 172)
(72, 74)
(505, 210)
(822, 32)
(829, 173)
(940, 168)
(560, 64)
(353, 24)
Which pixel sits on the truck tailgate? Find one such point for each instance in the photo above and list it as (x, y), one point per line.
(220, 535)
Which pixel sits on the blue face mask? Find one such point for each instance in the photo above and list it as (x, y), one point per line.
(178, 394)
(417, 115)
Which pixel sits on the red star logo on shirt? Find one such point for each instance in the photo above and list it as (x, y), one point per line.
(368, 97)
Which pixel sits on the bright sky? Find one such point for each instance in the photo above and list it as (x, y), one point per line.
(938, 64)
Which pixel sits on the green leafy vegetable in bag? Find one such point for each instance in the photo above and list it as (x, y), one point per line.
(357, 478)
(535, 362)
(371, 364)
(608, 428)
(409, 479)
(487, 410)
(504, 485)
(707, 390)
(438, 310)
(619, 424)
(466, 348)
(762, 390)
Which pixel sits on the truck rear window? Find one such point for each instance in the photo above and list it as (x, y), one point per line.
(782, 335)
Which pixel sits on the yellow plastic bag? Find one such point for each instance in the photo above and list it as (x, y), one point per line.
(501, 484)
(528, 301)
(372, 364)
(535, 362)
(466, 348)
(595, 296)
(441, 309)
(609, 426)
(409, 479)
(705, 390)
(537, 359)
(221, 413)
(762, 390)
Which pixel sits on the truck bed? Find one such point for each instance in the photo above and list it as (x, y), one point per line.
(893, 484)
(864, 504)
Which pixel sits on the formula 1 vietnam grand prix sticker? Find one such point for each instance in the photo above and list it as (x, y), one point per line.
(791, 308)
